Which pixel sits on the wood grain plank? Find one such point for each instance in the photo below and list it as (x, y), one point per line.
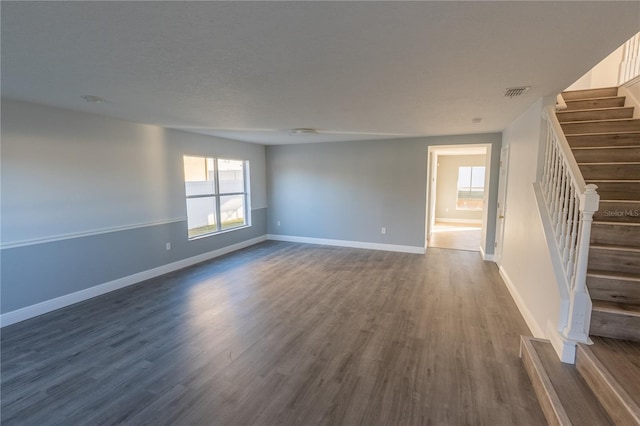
(281, 333)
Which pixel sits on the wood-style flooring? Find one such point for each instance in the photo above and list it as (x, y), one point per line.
(281, 334)
(455, 236)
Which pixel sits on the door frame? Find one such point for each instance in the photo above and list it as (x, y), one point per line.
(432, 172)
(501, 211)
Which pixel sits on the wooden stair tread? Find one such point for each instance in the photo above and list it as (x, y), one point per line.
(622, 359)
(606, 139)
(606, 147)
(612, 120)
(621, 276)
(615, 247)
(592, 109)
(594, 114)
(610, 125)
(591, 99)
(611, 163)
(604, 222)
(601, 102)
(609, 390)
(606, 154)
(564, 396)
(587, 94)
(624, 133)
(614, 180)
(613, 275)
(622, 170)
(614, 287)
(616, 308)
(601, 98)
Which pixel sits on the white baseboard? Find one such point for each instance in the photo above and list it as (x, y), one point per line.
(535, 328)
(487, 257)
(453, 220)
(79, 296)
(345, 243)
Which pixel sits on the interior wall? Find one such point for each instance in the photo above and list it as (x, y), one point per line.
(526, 262)
(631, 90)
(447, 186)
(88, 199)
(349, 191)
(603, 74)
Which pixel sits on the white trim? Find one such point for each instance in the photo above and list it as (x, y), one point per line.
(60, 237)
(566, 349)
(630, 99)
(453, 220)
(88, 293)
(487, 257)
(535, 328)
(345, 243)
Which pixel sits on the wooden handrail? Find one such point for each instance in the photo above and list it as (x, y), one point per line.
(574, 170)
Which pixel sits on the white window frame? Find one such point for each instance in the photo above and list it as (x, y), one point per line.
(217, 195)
(471, 188)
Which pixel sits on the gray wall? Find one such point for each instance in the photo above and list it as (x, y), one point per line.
(447, 186)
(348, 191)
(88, 199)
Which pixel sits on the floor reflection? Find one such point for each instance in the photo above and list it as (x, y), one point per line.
(457, 236)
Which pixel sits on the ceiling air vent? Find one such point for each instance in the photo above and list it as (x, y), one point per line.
(512, 92)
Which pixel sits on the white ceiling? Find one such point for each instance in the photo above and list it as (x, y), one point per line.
(354, 70)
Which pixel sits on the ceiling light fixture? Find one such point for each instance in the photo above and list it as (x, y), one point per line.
(93, 99)
(303, 131)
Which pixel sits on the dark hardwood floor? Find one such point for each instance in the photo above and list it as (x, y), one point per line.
(281, 334)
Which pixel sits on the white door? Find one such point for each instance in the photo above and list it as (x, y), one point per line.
(502, 203)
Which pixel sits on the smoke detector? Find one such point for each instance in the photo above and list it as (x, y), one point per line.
(512, 92)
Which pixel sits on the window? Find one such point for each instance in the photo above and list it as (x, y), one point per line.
(216, 191)
(470, 188)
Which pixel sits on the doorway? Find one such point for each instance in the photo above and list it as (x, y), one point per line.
(456, 202)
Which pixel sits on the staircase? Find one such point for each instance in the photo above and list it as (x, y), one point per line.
(603, 387)
(605, 140)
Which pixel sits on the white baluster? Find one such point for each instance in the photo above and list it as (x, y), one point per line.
(554, 189)
(567, 234)
(559, 189)
(574, 236)
(565, 211)
(547, 160)
(562, 208)
(552, 165)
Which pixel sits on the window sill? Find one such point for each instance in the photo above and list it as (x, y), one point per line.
(225, 231)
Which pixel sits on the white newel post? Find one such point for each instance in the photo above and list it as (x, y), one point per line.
(580, 303)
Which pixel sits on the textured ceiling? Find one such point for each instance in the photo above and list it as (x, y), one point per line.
(353, 70)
